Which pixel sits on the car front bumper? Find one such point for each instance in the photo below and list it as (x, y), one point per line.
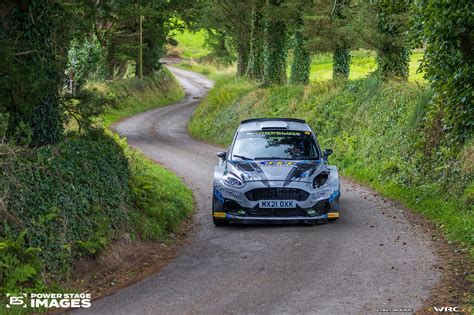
(274, 220)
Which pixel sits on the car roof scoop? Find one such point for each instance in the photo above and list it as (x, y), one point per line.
(274, 125)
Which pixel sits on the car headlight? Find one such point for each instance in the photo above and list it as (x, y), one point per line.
(231, 180)
(320, 179)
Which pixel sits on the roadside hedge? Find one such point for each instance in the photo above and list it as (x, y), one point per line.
(73, 199)
(61, 201)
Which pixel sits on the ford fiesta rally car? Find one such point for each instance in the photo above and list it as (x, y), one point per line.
(275, 172)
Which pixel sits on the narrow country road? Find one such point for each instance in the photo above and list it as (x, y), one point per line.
(371, 258)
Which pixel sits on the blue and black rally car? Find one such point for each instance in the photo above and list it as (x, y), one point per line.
(275, 172)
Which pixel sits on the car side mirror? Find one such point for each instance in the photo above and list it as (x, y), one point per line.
(222, 155)
(326, 153)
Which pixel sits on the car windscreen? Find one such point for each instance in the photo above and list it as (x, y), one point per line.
(268, 145)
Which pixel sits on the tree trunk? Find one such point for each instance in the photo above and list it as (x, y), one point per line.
(393, 57)
(31, 97)
(341, 60)
(275, 49)
(242, 58)
(393, 61)
(256, 59)
(301, 65)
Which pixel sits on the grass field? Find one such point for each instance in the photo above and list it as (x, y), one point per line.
(191, 45)
(363, 62)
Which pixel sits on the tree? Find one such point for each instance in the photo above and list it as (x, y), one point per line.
(221, 45)
(383, 26)
(446, 28)
(34, 40)
(275, 50)
(301, 65)
(233, 18)
(256, 58)
(160, 19)
(393, 53)
(327, 26)
(341, 54)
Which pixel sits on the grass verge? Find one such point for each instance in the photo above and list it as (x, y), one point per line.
(128, 97)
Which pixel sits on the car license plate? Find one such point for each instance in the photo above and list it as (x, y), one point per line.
(277, 204)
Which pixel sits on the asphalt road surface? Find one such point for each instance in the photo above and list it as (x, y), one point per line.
(372, 258)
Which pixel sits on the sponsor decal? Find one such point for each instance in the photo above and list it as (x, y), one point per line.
(276, 133)
(49, 300)
(277, 163)
(320, 195)
(230, 193)
(333, 215)
(326, 194)
(300, 171)
(218, 195)
(251, 170)
(335, 195)
(219, 214)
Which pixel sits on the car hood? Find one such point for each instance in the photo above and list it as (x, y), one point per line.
(275, 170)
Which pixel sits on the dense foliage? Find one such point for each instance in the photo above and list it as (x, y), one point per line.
(48, 45)
(232, 18)
(70, 199)
(33, 51)
(446, 28)
(65, 201)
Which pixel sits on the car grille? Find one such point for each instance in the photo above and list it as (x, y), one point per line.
(277, 194)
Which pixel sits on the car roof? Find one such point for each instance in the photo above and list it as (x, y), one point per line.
(274, 123)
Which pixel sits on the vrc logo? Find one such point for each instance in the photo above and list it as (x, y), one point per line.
(16, 300)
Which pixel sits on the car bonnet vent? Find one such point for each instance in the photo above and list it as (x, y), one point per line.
(272, 125)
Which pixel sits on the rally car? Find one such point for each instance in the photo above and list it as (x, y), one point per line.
(275, 172)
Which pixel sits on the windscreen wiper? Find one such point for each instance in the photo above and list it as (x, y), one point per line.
(270, 158)
(242, 157)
